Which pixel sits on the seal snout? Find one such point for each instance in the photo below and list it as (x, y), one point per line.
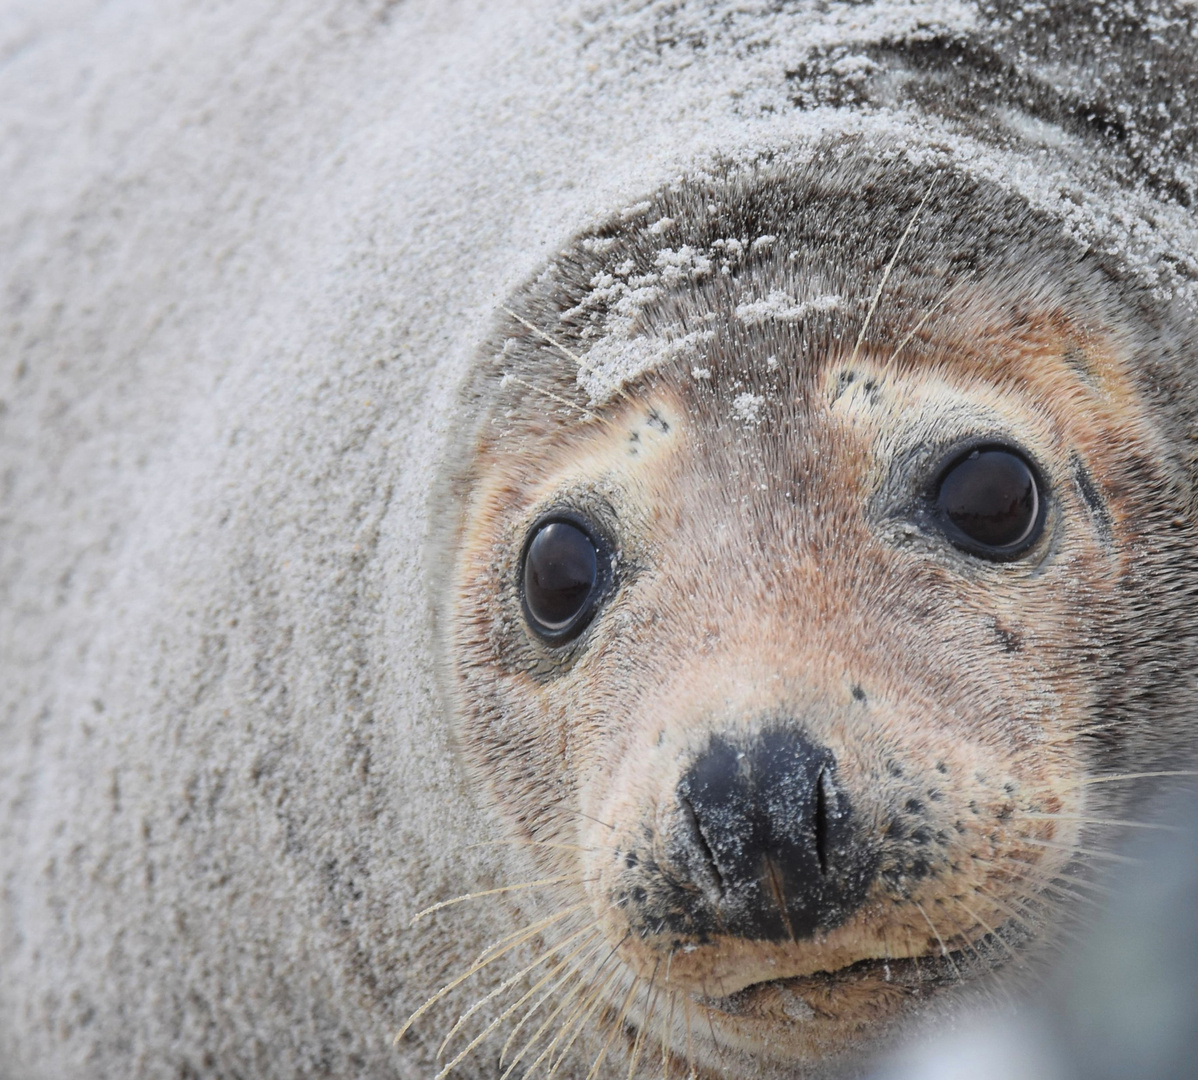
(767, 839)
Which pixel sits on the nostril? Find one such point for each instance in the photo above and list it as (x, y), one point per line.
(821, 821)
(715, 880)
(764, 842)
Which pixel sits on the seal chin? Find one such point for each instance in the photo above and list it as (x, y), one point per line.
(850, 1010)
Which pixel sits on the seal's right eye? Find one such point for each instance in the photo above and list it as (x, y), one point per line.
(561, 580)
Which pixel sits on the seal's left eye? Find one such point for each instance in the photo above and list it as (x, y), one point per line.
(560, 580)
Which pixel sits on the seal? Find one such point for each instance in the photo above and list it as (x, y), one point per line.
(809, 591)
(809, 525)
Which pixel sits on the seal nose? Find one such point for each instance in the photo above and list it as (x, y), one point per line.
(767, 839)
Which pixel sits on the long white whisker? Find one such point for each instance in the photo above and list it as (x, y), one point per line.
(495, 1023)
(572, 973)
(1088, 852)
(651, 997)
(1134, 776)
(551, 395)
(595, 1000)
(574, 991)
(524, 934)
(943, 948)
(568, 878)
(478, 966)
(944, 299)
(665, 1043)
(889, 267)
(579, 987)
(1112, 822)
(508, 983)
(616, 1028)
(567, 353)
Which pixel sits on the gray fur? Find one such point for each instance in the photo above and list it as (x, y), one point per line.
(248, 255)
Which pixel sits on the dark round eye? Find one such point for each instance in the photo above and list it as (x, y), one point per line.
(561, 579)
(991, 503)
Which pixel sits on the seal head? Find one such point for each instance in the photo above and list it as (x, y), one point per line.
(795, 597)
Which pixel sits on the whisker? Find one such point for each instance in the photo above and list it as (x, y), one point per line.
(522, 935)
(1065, 894)
(508, 983)
(567, 353)
(932, 927)
(595, 1000)
(551, 395)
(617, 1027)
(1044, 881)
(1073, 850)
(490, 1027)
(579, 987)
(1073, 879)
(968, 944)
(651, 1002)
(541, 883)
(597, 821)
(1134, 776)
(985, 964)
(1112, 822)
(578, 1022)
(665, 1043)
(710, 1024)
(994, 934)
(479, 965)
(571, 973)
(945, 297)
(690, 1046)
(889, 267)
(1019, 916)
(536, 1035)
(1071, 735)
(529, 843)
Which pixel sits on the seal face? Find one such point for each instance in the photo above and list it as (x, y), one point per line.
(793, 604)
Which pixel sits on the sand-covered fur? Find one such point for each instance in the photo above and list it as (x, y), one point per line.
(250, 252)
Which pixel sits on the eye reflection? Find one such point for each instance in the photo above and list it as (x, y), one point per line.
(560, 579)
(990, 502)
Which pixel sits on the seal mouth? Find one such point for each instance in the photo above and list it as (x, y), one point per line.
(923, 972)
(821, 994)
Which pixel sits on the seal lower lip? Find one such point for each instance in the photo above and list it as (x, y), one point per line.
(923, 972)
(926, 973)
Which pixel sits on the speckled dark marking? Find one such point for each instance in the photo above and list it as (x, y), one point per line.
(1092, 499)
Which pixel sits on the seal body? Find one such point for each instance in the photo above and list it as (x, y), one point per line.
(318, 323)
